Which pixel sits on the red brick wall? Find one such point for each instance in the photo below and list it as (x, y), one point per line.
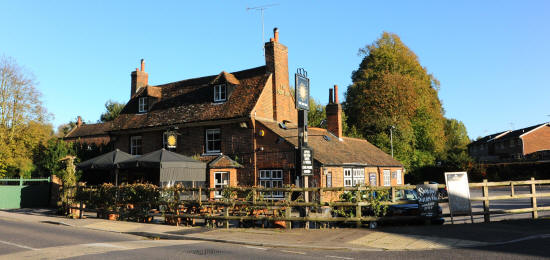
(232, 178)
(237, 143)
(334, 119)
(537, 140)
(276, 154)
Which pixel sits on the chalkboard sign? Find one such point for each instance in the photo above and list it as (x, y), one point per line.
(459, 193)
(427, 200)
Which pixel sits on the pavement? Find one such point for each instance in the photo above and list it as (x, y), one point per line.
(393, 238)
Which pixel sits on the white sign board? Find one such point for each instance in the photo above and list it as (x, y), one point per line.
(459, 193)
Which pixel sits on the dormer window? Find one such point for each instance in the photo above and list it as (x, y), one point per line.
(220, 93)
(143, 105)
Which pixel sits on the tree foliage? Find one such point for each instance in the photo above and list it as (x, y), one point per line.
(391, 88)
(23, 119)
(47, 157)
(113, 109)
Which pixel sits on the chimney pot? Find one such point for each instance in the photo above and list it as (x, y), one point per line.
(330, 96)
(142, 65)
(79, 121)
(336, 94)
(276, 34)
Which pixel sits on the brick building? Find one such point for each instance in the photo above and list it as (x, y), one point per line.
(244, 125)
(525, 143)
(89, 133)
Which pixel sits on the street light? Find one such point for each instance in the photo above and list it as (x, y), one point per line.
(391, 139)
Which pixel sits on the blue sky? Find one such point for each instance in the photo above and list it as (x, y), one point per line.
(492, 57)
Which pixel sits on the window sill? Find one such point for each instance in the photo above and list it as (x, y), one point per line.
(211, 153)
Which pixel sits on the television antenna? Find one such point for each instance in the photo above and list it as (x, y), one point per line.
(261, 9)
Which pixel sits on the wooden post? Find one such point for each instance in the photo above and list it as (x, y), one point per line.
(358, 212)
(512, 192)
(81, 207)
(534, 198)
(227, 215)
(306, 200)
(486, 215)
(392, 194)
(288, 209)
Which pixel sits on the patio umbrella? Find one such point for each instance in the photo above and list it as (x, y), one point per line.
(173, 166)
(108, 161)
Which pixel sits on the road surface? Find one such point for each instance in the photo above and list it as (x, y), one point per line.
(32, 240)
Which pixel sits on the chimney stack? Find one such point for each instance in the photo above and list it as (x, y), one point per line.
(140, 79)
(334, 113)
(276, 62)
(276, 34)
(330, 96)
(78, 121)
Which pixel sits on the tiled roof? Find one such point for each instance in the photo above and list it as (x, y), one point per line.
(89, 130)
(517, 133)
(332, 151)
(487, 138)
(223, 161)
(192, 101)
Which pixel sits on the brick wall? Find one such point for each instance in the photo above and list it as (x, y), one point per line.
(537, 140)
(232, 178)
(276, 154)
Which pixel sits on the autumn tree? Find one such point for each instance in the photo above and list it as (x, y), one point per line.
(112, 110)
(456, 147)
(23, 119)
(391, 89)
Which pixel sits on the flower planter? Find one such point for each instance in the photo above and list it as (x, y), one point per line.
(112, 216)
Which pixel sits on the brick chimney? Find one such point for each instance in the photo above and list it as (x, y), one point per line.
(334, 113)
(78, 121)
(276, 61)
(140, 78)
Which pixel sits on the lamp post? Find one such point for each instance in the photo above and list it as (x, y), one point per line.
(391, 139)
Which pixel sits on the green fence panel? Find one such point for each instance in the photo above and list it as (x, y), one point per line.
(24, 193)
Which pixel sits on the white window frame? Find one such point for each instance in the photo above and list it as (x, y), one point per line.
(358, 176)
(272, 179)
(399, 177)
(220, 93)
(210, 133)
(225, 182)
(135, 146)
(354, 177)
(143, 105)
(328, 180)
(348, 177)
(386, 177)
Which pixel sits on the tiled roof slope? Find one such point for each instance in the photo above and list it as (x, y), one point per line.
(517, 133)
(487, 138)
(335, 152)
(223, 161)
(89, 130)
(192, 101)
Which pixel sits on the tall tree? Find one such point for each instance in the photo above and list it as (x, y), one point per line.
(456, 147)
(113, 109)
(391, 90)
(23, 119)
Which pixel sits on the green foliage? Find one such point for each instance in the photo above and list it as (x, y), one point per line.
(375, 199)
(113, 109)
(47, 156)
(456, 147)
(391, 88)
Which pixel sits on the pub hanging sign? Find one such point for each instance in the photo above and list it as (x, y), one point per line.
(306, 159)
(171, 140)
(302, 90)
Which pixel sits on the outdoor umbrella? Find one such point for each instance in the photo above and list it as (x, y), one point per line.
(173, 166)
(108, 161)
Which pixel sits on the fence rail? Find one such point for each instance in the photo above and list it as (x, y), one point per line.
(247, 203)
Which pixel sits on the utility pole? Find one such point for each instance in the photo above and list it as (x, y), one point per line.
(261, 9)
(391, 139)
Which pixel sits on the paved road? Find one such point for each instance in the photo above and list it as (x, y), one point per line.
(31, 240)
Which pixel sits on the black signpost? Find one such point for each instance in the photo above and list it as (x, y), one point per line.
(305, 154)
